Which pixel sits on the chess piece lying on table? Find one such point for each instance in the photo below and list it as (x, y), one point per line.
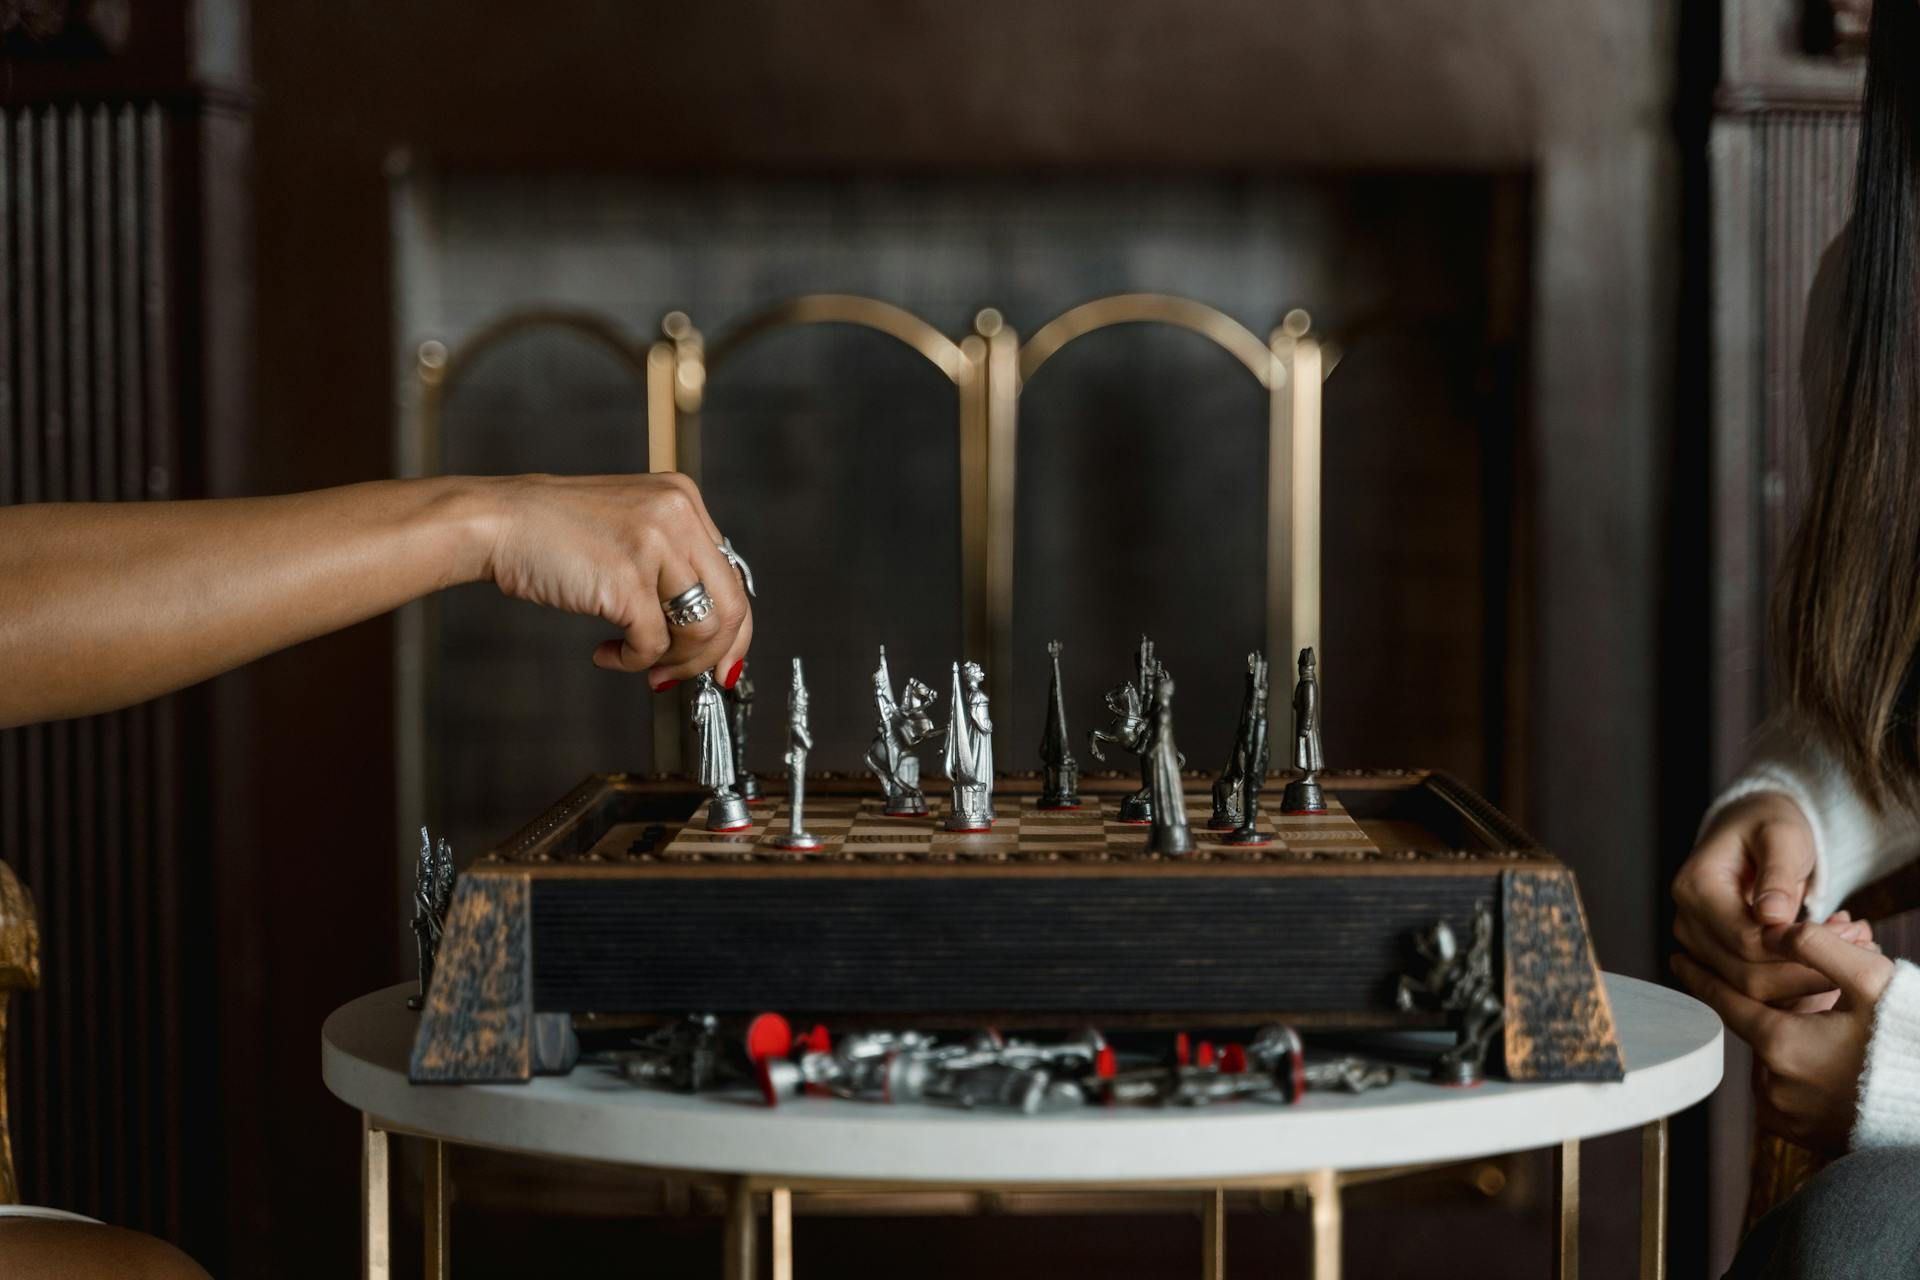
(904, 727)
(726, 811)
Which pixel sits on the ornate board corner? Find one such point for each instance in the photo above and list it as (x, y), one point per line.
(478, 1021)
(1500, 831)
(1559, 1023)
(19, 935)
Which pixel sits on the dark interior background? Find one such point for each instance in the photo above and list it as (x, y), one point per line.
(1549, 470)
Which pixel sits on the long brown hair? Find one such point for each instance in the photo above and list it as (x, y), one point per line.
(1848, 621)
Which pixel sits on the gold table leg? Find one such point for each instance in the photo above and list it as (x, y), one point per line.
(739, 1258)
(1213, 1235)
(1323, 1197)
(1566, 1210)
(375, 1245)
(433, 1210)
(1653, 1201)
(780, 1228)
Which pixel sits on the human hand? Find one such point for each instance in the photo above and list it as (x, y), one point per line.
(1749, 873)
(1807, 1088)
(616, 547)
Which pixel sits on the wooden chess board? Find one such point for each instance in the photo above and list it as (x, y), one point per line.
(855, 828)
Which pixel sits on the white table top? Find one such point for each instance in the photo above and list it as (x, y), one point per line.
(1671, 1043)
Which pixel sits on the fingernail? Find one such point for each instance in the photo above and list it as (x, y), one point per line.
(734, 674)
(1771, 905)
(665, 685)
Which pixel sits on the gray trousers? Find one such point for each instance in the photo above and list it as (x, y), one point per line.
(1858, 1217)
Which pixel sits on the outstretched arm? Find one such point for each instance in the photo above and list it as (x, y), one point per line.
(104, 605)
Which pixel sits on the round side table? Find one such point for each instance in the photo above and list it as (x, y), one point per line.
(1671, 1043)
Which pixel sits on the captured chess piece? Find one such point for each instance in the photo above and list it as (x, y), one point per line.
(1061, 789)
(726, 811)
(1252, 757)
(432, 894)
(969, 759)
(1303, 793)
(1132, 730)
(1170, 832)
(799, 742)
(739, 711)
(904, 727)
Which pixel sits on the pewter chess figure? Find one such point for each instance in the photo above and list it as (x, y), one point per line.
(799, 742)
(969, 756)
(1170, 832)
(905, 726)
(726, 811)
(1252, 757)
(1462, 986)
(432, 894)
(1062, 787)
(1303, 793)
(1132, 729)
(739, 712)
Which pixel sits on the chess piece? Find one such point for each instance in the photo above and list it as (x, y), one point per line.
(904, 726)
(1132, 729)
(1228, 786)
(1062, 787)
(1461, 985)
(1303, 793)
(432, 894)
(726, 811)
(1253, 757)
(799, 742)
(969, 758)
(739, 711)
(1170, 831)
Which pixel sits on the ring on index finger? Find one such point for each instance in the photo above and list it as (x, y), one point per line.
(690, 606)
(739, 562)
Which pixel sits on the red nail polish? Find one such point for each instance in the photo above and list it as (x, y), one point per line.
(665, 685)
(734, 674)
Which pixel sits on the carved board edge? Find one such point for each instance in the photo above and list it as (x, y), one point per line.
(478, 1021)
(1559, 1022)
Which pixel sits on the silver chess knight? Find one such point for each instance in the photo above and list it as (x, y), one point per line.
(905, 726)
(432, 894)
(969, 760)
(1303, 793)
(1463, 986)
(726, 811)
(799, 742)
(739, 712)
(1170, 833)
(1131, 730)
(1062, 787)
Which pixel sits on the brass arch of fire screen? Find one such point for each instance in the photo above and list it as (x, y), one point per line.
(988, 369)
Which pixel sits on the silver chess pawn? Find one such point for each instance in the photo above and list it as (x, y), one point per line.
(904, 727)
(726, 811)
(739, 712)
(969, 758)
(799, 742)
(1303, 793)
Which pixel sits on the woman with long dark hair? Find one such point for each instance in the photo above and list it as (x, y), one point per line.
(1830, 799)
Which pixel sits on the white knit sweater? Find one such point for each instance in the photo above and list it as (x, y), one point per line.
(1853, 846)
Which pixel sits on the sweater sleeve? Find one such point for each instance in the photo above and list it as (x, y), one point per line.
(1889, 1106)
(1853, 845)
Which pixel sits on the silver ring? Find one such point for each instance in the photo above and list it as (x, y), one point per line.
(690, 606)
(739, 562)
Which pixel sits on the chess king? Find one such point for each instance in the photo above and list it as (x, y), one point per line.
(969, 759)
(726, 811)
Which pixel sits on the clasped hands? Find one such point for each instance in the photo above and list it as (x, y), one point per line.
(1800, 992)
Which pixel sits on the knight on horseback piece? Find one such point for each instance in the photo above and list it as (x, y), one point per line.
(904, 727)
(1132, 728)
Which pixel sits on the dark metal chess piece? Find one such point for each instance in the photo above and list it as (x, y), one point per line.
(726, 811)
(1303, 793)
(1170, 831)
(1062, 787)
(1462, 986)
(1227, 787)
(1253, 760)
(969, 758)
(432, 894)
(904, 727)
(1132, 729)
(739, 711)
(799, 742)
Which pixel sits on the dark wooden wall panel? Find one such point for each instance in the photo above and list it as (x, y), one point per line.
(90, 808)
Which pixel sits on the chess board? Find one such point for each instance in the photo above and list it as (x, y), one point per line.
(618, 902)
(856, 828)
